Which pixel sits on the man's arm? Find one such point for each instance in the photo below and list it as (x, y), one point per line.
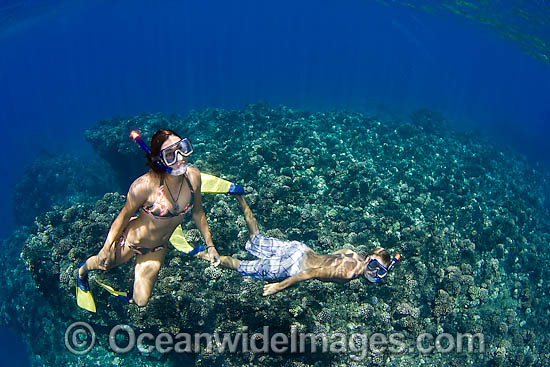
(273, 288)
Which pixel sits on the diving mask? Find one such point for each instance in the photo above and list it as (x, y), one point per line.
(380, 271)
(183, 148)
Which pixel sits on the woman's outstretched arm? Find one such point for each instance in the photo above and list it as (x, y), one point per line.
(200, 220)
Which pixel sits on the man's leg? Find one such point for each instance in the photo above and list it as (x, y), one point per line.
(230, 262)
(248, 217)
(225, 261)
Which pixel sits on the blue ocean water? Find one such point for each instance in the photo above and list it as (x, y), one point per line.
(63, 67)
(13, 351)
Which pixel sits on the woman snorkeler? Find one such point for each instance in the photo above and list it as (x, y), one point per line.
(164, 196)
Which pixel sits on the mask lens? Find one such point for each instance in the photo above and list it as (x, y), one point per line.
(170, 154)
(185, 147)
(373, 265)
(381, 273)
(378, 268)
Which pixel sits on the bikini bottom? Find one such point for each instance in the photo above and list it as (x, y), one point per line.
(138, 250)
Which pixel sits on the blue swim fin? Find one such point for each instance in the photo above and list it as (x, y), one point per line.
(215, 185)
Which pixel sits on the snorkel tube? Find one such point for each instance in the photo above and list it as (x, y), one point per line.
(135, 135)
(395, 259)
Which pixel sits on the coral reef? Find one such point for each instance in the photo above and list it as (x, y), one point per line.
(110, 140)
(58, 180)
(470, 222)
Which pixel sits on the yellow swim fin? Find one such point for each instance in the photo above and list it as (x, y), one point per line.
(210, 185)
(215, 185)
(180, 243)
(84, 298)
(111, 290)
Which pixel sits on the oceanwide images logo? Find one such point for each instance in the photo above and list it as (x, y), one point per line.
(80, 338)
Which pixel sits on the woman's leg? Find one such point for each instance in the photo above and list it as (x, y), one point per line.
(251, 222)
(111, 257)
(146, 272)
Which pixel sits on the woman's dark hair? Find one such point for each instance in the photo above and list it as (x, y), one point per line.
(156, 143)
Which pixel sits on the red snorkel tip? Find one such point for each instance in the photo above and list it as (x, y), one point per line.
(394, 261)
(135, 135)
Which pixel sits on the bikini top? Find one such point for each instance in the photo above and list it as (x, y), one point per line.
(159, 209)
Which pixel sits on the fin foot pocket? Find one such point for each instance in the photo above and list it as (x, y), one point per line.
(84, 298)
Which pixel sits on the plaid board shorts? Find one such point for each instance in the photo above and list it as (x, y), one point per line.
(277, 259)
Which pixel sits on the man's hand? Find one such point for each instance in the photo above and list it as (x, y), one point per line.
(214, 256)
(271, 288)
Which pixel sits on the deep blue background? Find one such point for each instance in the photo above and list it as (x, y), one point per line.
(61, 73)
(13, 351)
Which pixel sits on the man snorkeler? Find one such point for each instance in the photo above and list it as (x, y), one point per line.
(290, 262)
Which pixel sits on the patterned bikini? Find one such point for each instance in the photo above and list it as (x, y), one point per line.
(159, 210)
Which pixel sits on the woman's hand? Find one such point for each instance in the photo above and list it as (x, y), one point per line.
(107, 256)
(214, 256)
